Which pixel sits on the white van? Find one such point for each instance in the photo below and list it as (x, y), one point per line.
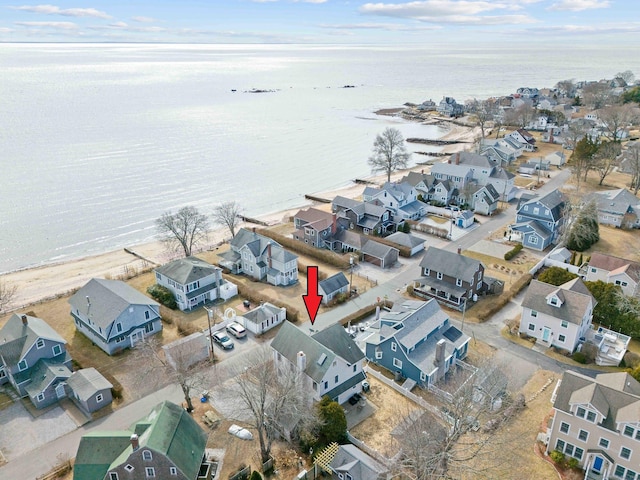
(237, 330)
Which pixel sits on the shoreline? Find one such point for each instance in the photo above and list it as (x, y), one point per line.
(51, 280)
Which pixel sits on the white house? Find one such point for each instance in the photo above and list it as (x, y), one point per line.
(619, 271)
(556, 158)
(333, 286)
(557, 316)
(329, 361)
(194, 282)
(264, 318)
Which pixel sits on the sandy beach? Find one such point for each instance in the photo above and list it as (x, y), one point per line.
(47, 281)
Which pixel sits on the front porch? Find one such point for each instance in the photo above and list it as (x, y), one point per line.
(449, 295)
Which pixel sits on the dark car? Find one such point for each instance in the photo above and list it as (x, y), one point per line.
(355, 399)
(223, 340)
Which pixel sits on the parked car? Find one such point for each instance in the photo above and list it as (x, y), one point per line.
(237, 330)
(223, 340)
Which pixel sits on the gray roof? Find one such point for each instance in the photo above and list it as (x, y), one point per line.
(405, 239)
(472, 159)
(414, 178)
(376, 249)
(108, 300)
(44, 374)
(16, 338)
(258, 244)
(553, 200)
(338, 340)
(572, 309)
(350, 238)
(615, 201)
(615, 395)
(350, 459)
(87, 382)
(334, 283)
(533, 226)
(419, 323)
(187, 270)
(262, 313)
(449, 263)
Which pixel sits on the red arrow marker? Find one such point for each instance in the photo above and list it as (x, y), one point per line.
(312, 299)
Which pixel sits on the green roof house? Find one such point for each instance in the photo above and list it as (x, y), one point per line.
(167, 443)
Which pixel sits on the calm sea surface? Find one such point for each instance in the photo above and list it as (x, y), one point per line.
(96, 141)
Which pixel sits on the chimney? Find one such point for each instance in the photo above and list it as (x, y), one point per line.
(449, 160)
(459, 249)
(134, 442)
(458, 158)
(334, 224)
(24, 320)
(439, 360)
(302, 361)
(269, 254)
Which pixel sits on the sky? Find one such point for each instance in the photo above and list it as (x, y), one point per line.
(556, 22)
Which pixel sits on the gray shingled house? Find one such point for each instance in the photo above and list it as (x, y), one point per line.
(89, 390)
(413, 243)
(383, 256)
(114, 315)
(349, 462)
(264, 317)
(333, 286)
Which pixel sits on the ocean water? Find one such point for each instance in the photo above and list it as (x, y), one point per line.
(98, 140)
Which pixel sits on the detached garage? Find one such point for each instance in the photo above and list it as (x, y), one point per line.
(415, 244)
(379, 254)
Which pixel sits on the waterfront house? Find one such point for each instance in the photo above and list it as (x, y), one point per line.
(34, 359)
(314, 227)
(448, 107)
(347, 241)
(525, 138)
(416, 340)
(113, 315)
(619, 208)
(329, 361)
(263, 318)
(538, 221)
(557, 316)
(619, 271)
(381, 255)
(194, 282)
(261, 258)
(333, 286)
(451, 278)
(366, 217)
(400, 198)
(166, 444)
(422, 182)
(595, 421)
(444, 192)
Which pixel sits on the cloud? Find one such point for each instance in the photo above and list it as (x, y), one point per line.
(391, 27)
(6, 30)
(123, 26)
(56, 25)
(67, 12)
(588, 29)
(451, 11)
(143, 19)
(579, 5)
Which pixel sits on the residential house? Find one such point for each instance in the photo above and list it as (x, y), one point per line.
(113, 315)
(630, 158)
(557, 316)
(528, 92)
(464, 219)
(400, 198)
(416, 340)
(422, 182)
(350, 463)
(329, 360)
(369, 218)
(261, 258)
(89, 390)
(413, 243)
(185, 352)
(455, 170)
(499, 153)
(533, 167)
(538, 221)
(167, 443)
(444, 192)
(485, 200)
(448, 107)
(556, 159)
(333, 286)
(595, 421)
(525, 138)
(194, 282)
(34, 359)
(264, 318)
(379, 254)
(347, 241)
(314, 227)
(619, 271)
(451, 278)
(619, 208)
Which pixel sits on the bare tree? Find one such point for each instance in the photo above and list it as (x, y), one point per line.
(520, 116)
(597, 94)
(273, 398)
(389, 152)
(616, 119)
(228, 214)
(627, 76)
(575, 132)
(632, 157)
(566, 88)
(483, 113)
(580, 229)
(183, 229)
(176, 367)
(606, 159)
(7, 294)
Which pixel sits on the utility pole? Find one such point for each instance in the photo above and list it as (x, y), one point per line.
(209, 315)
(351, 276)
(464, 309)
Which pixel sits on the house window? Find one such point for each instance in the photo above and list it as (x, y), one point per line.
(22, 365)
(146, 455)
(578, 453)
(479, 285)
(150, 471)
(118, 327)
(533, 240)
(604, 443)
(40, 343)
(427, 271)
(423, 377)
(40, 397)
(146, 315)
(534, 314)
(561, 338)
(553, 301)
(564, 324)
(583, 435)
(99, 398)
(128, 467)
(564, 427)
(326, 385)
(458, 282)
(113, 476)
(335, 380)
(628, 431)
(532, 327)
(439, 275)
(315, 387)
(631, 475)
(173, 470)
(393, 347)
(378, 355)
(591, 416)
(355, 368)
(580, 412)
(148, 328)
(593, 270)
(57, 350)
(625, 453)
(619, 472)
(397, 363)
(560, 445)
(2, 372)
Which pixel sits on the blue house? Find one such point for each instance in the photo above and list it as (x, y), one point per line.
(538, 221)
(417, 341)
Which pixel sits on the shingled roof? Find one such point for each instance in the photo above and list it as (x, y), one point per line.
(187, 270)
(453, 264)
(575, 297)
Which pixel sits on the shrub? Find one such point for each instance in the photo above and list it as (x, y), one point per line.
(557, 456)
(556, 276)
(363, 313)
(573, 463)
(631, 359)
(579, 357)
(186, 328)
(255, 476)
(513, 252)
(163, 295)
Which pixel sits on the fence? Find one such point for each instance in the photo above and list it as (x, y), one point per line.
(242, 474)
(368, 450)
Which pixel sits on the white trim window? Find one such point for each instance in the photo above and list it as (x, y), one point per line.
(173, 471)
(150, 472)
(146, 455)
(40, 397)
(397, 363)
(39, 343)
(393, 347)
(113, 476)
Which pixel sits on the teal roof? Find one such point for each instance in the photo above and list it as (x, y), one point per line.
(96, 452)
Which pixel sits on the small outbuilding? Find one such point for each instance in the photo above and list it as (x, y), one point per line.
(333, 286)
(415, 244)
(378, 254)
(264, 318)
(89, 390)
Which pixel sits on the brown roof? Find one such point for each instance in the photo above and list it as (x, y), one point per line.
(611, 263)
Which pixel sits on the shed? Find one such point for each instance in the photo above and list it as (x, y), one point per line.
(379, 254)
(415, 244)
(89, 389)
(333, 286)
(187, 351)
(264, 318)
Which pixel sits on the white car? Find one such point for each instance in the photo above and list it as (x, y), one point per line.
(237, 330)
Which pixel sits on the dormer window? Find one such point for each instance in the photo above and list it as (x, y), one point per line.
(553, 301)
(40, 343)
(458, 282)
